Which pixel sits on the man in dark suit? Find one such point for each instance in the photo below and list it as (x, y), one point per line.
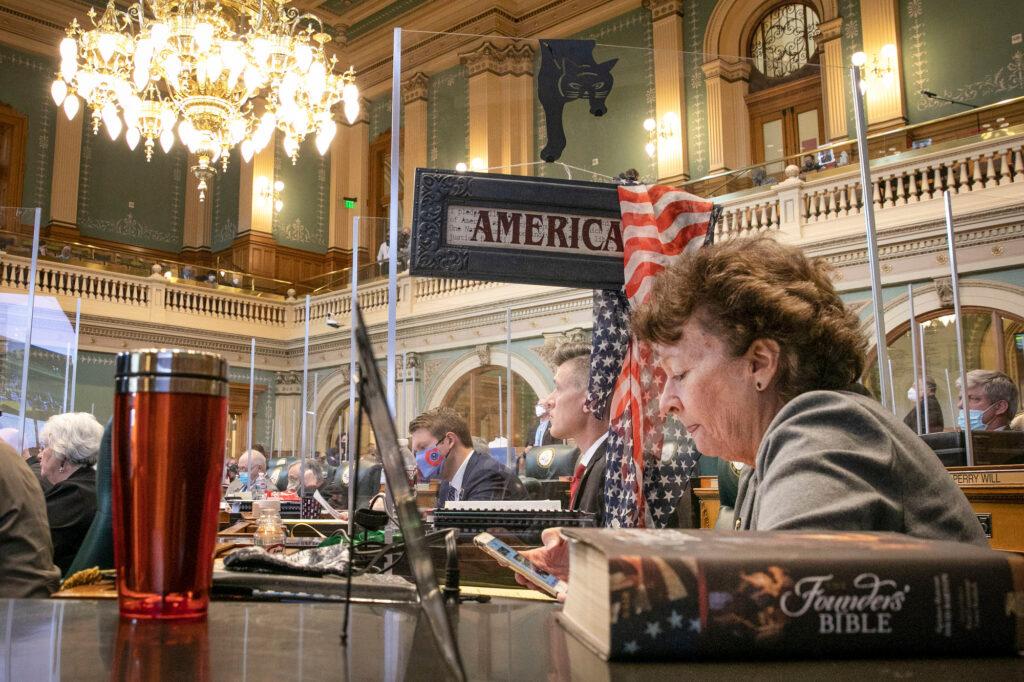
(542, 434)
(570, 420)
(442, 442)
(934, 411)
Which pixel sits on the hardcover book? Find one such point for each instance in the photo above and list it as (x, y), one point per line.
(690, 595)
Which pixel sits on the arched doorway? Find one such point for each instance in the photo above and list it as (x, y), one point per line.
(784, 99)
(475, 395)
(993, 340)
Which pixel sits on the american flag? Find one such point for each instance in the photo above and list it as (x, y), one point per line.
(659, 223)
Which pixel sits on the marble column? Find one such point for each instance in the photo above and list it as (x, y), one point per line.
(67, 158)
(727, 83)
(198, 215)
(253, 248)
(287, 412)
(350, 176)
(669, 88)
(501, 107)
(833, 80)
(886, 106)
(414, 136)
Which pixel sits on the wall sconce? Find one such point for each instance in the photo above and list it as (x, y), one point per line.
(882, 69)
(663, 132)
(270, 192)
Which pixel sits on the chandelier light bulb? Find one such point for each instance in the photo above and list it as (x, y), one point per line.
(68, 68)
(59, 90)
(352, 110)
(172, 67)
(350, 93)
(69, 49)
(86, 82)
(278, 205)
(113, 126)
(477, 164)
(651, 149)
(203, 36)
(291, 146)
(460, 167)
(888, 51)
(650, 124)
(167, 118)
(303, 57)
(71, 107)
(167, 140)
(278, 186)
(858, 59)
(140, 76)
(132, 137)
(107, 43)
(325, 136)
(214, 66)
(248, 149)
(158, 33)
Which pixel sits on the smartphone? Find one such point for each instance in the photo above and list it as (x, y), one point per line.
(506, 556)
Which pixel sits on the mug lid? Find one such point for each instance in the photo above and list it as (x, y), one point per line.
(171, 362)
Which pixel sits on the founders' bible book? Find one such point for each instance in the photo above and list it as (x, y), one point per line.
(690, 594)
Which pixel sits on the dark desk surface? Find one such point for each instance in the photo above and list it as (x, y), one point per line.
(505, 640)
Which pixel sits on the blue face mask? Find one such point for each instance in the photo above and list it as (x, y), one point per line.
(977, 420)
(243, 477)
(429, 462)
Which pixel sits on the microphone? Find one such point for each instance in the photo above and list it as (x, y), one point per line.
(928, 93)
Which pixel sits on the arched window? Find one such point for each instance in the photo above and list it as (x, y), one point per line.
(784, 40)
(993, 340)
(785, 100)
(475, 396)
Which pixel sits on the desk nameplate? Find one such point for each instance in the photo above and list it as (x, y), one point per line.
(989, 477)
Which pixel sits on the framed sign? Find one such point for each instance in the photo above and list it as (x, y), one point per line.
(509, 228)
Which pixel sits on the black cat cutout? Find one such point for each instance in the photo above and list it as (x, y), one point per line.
(568, 72)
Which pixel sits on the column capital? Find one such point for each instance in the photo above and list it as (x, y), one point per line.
(514, 60)
(728, 71)
(415, 89)
(664, 8)
(830, 30)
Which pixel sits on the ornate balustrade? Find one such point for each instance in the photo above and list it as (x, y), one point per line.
(801, 209)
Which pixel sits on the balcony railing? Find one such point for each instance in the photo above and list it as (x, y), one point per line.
(807, 210)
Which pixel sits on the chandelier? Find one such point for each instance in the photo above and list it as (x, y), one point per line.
(221, 73)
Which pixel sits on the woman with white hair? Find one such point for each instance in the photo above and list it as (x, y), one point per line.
(71, 443)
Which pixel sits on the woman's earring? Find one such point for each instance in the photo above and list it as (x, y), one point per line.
(758, 385)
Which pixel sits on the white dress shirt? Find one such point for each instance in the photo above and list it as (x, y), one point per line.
(589, 454)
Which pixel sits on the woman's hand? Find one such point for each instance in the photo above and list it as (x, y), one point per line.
(553, 558)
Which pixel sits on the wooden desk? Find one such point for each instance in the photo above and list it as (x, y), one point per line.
(998, 492)
(706, 491)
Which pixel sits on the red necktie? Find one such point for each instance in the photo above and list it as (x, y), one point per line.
(574, 484)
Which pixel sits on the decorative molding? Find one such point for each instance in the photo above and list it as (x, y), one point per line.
(416, 88)
(944, 290)
(728, 71)
(511, 60)
(661, 9)
(483, 353)
(830, 30)
(554, 342)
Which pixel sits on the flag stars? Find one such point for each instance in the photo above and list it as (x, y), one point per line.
(675, 620)
(631, 647)
(653, 629)
(695, 625)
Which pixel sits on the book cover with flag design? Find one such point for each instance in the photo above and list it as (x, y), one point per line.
(688, 594)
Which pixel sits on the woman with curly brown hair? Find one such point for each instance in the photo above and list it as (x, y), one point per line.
(759, 353)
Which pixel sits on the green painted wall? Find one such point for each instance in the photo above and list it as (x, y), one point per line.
(695, 18)
(983, 68)
(616, 140)
(225, 204)
(852, 41)
(25, 85)
(302, 222)
(448, 118)
(380, 116)
(124, 198)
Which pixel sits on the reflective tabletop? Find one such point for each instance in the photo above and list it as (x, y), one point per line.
(502, 640)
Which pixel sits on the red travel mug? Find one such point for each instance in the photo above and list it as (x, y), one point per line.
(170, 413)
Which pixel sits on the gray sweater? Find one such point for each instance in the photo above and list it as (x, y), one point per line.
(833, 460)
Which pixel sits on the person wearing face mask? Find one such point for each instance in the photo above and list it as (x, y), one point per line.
(992, 401)
(933, 411)
(441, 440)
(542, 434)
